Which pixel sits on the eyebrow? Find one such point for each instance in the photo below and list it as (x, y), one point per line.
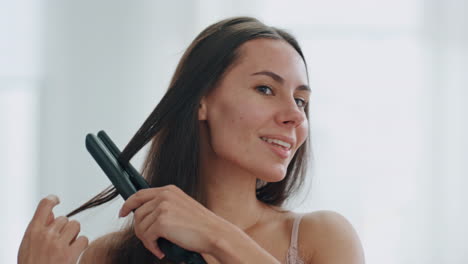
(280, 79)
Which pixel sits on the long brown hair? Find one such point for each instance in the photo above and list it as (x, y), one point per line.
(173, 128)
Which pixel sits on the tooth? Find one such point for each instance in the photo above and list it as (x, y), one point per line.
(278, 142)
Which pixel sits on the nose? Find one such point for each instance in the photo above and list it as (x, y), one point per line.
(290, 115)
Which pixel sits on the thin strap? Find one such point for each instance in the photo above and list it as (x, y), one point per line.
(295, 229)
(293, 257)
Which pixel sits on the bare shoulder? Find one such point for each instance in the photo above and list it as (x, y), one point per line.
(97, 251)
(328, 237)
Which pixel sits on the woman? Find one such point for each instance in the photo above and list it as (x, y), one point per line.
(229, 146)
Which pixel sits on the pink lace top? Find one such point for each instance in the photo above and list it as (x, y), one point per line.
(292, 256)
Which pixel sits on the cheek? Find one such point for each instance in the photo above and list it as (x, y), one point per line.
(226, 124)
(237, 118)
(234, 129)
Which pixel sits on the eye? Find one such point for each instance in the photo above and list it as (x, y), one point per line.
(264, 89)
(301, 102)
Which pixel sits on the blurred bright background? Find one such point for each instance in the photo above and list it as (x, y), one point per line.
(388, 110)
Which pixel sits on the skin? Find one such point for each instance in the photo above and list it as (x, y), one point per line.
(49, 239)
(233, 226)
(234, 116)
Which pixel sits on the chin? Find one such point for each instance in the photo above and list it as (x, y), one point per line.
(272, 174)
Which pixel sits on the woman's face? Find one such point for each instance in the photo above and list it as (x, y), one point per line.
(260, 100)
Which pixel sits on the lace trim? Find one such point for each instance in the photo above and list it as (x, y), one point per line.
(292, 255)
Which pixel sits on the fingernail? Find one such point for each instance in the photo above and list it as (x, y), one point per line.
(53, 198)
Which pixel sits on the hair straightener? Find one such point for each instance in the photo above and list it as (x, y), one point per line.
(128, 181)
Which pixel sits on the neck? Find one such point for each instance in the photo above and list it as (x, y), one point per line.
(229, 191)
(231, 194)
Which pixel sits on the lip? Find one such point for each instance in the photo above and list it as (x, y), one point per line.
(281, 152)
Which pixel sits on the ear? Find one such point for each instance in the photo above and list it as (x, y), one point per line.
(202, 112)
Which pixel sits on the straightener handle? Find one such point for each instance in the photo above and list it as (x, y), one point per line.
(128, 181)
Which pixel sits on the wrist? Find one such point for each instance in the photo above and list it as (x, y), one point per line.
(218, 235)
(225, 241)
(233, 246)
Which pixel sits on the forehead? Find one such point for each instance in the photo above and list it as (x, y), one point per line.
(273, 55)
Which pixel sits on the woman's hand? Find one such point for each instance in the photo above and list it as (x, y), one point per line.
(50, 240)
(170, 213)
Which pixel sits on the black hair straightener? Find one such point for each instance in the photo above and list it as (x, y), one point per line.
(128, 181)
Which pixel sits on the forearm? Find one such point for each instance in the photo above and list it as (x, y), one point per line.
(234, 246)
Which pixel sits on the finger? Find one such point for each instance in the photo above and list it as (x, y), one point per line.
(153, 241)
(149, 220)
(50, 218)
(149, 235)
(44, 209)
(59, 224)
(153, 247)
(143, 211)
(77, 246)
(137, 199)
(70, 231)
(80, 243)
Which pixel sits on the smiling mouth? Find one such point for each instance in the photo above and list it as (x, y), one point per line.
(277, 142)
(279, 150)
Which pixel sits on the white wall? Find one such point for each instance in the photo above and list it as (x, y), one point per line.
(20, 80)
(107, 66)
(447, 61)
